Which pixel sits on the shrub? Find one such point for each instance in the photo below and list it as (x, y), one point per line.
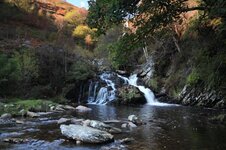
(193, 77)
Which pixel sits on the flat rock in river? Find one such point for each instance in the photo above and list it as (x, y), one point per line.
(101, 126)
(81, 108)
(86, 134)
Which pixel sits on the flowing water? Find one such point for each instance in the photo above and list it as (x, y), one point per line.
(166, 127)
(105, 95)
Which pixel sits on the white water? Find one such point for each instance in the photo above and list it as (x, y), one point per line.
(148, 94)
(105, 94)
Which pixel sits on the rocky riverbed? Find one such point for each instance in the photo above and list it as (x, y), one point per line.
(142, 127)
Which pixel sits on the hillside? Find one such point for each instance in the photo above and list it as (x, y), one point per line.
(39, 49)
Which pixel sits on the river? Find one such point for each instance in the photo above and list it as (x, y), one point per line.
(167, 127)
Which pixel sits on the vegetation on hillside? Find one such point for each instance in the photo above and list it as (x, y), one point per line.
(185, 38)
(43, 48)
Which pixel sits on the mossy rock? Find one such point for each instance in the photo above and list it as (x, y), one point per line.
(130, 95)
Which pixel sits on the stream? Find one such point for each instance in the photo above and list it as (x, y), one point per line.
(167, 127)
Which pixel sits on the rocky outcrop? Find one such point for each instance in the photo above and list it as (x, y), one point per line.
(195, 96)
(130, 95)
(86, 134)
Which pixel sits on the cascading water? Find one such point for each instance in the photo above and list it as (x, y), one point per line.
(148, 94)
(105, 94)
(92, 91)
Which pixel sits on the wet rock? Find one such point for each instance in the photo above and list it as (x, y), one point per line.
(134, 119)
(101, 126)
(77, 121)
(126, 140)
(68, 107)
(16, 140)
(63, 120)
(112, 121)
(86, 134)
(6, 121)
(131, 125)
(124, 125)
(59, 108)
(6, 116)
(20, 122)
(81, 108)
(32, 114)
(115, 146)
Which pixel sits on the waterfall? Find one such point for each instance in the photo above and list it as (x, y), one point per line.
(105, 94)
(92, 91)
(148, 94)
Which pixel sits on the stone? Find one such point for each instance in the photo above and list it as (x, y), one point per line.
(16, 140)
(131, 125)
(86, 134)
(6, 116)
(68, 107)
(20, 122)
(134, 119)
(124, 125)
(102, 126)
(81, 108)
(59, 108)
(78, 142)
(114, 147)
(126, 140)
(77, 121)
(63, 120)
(112, 121)
(32, 114)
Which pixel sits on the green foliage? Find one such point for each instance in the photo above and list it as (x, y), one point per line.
(17, 71)
(75, 18)
(80, 71)
(23, 4)
(9, 74)
(15, 106)
(81, 31)
(193, 78)
(9, 69)
(27, 64)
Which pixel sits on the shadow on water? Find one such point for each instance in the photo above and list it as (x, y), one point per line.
(172, 127)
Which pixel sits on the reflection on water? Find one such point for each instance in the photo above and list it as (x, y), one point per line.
(170, 127)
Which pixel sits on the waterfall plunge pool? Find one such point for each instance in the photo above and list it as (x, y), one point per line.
(166, 128)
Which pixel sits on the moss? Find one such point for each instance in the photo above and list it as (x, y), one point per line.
(16, 105)
(153, 83)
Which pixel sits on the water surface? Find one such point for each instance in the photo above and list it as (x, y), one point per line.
(168, 127)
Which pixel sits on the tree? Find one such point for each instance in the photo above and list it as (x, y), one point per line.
(148, 16)
(75, 17)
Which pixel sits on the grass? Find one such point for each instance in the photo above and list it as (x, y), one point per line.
(16, 106)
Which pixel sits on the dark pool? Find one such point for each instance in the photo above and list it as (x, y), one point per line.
(168, 127)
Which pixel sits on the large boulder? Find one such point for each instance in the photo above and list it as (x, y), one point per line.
(81, 108)
(86, 134)
(130, 95)
(101, 126)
